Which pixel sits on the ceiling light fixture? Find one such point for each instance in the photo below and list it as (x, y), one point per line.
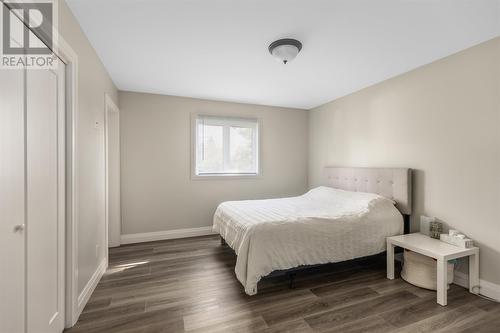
(285, 50)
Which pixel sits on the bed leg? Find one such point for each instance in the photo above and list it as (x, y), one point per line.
(222, 241)
(291, 277)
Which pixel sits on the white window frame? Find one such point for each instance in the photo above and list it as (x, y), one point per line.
(233, 120)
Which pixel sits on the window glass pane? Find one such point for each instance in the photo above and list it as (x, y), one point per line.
(241, 150)
(226, 145)
(210, 149)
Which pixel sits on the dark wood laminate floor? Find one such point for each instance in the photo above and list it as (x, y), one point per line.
(188, 285)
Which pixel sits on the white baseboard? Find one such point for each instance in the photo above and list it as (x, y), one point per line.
(167, 234)
(486, 288)
(84, 296)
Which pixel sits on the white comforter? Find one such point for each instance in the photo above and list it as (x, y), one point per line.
(322, 226)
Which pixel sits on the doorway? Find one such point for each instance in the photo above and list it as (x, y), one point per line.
(112, 151)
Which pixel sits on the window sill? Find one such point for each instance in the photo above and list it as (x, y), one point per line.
(225, 176)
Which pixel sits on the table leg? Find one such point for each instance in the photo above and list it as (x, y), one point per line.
(442, 281)
(474, 273)
(390, 260)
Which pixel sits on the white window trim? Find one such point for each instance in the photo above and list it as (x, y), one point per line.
(225, 176)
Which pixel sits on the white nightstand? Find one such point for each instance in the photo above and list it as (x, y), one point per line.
(440, 251)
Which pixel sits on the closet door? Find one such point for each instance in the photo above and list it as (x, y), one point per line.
(45, 200)
(12, 236)
(12, 193)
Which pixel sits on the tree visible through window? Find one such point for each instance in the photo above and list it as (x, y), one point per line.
(226, 146)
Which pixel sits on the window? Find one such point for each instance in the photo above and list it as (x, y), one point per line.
(226, 146)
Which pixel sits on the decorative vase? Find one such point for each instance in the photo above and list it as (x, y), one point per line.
(435, 229)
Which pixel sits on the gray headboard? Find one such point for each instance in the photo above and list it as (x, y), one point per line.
(392, 183)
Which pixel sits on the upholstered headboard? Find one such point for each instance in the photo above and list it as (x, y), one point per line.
(392, 183)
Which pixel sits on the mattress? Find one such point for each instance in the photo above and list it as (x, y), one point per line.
(325, 225)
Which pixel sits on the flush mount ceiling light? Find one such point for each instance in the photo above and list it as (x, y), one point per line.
(285, 50)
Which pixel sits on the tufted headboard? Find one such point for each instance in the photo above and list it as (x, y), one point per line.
(392, 183)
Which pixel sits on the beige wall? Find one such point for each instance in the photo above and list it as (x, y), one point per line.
(93, 82)
(443, 120)
(157, 191)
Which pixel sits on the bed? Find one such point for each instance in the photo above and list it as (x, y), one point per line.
(350, 217)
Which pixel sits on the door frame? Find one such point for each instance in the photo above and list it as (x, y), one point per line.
(110, 107)
(66, 53)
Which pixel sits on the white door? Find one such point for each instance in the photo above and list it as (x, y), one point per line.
(12, 236)
(45, 199)
(12, 194)
(32, 171)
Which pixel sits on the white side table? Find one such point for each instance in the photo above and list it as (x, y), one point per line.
(440, 251)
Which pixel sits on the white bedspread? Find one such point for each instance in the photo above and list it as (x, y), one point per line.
(322, 226)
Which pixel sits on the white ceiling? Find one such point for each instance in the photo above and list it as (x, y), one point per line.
(217, 49)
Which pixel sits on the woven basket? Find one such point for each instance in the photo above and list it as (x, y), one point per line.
(421, 271)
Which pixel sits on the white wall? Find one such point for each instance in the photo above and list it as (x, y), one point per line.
(443, 120)
(93, 82)
(157, 191)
